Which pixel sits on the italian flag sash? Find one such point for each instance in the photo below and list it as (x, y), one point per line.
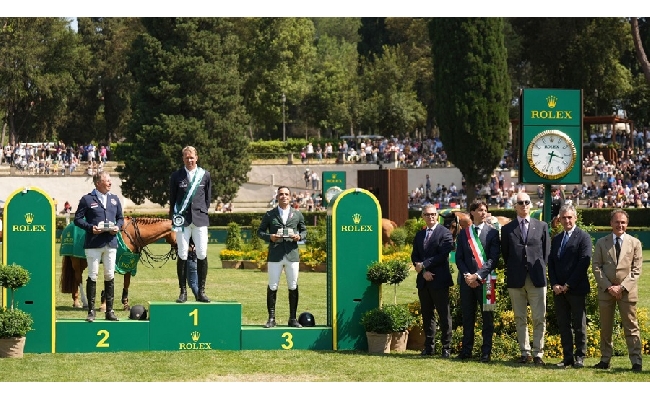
(489, 286)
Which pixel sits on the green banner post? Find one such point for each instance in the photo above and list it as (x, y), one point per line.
(29, 228)
(354, 242)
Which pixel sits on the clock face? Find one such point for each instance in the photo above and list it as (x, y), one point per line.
(332, 192)
(552, 154)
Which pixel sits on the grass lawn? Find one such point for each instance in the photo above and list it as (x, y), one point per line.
(248, 287)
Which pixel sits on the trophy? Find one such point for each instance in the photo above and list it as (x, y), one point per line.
(106, 226)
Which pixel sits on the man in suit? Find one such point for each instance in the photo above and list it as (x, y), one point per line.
(477, 255)
(430, 256)
(100, 214)
(283, 226)
(190, 194)
(525, 246)
(567, 272)
(617, 267)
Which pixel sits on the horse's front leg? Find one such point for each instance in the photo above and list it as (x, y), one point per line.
(125, 291)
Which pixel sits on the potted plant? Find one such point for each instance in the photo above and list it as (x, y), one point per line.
(379, 327)
(231, 258)
(400, 319)
(416, 330)
(14, 323)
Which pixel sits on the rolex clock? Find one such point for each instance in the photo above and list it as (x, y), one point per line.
(332, 193)
(551, 154)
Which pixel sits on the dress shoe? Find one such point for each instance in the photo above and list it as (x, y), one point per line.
(110, 316)
(485, 358)
(446, 354)
(524, 360)
(564, 364)
(538, 361)
(426, 353)
(602, 365)
(637, 367)
(293, 323)
(463, 356)
(91, 316)
(579, 362)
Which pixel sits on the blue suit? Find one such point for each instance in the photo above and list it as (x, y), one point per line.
(434, 256)
(91, 212)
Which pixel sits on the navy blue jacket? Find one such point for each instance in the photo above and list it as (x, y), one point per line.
(197, 212)
(571, 268)
(434, 257)
(465, 260)
(528, 257)
(91, 212)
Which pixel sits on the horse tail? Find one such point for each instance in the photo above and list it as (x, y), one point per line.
(67, 283)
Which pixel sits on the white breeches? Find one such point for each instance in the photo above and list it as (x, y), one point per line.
(199, 235)
(107, 255)
(291, 271)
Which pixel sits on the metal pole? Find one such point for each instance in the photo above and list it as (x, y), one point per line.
(284, 127)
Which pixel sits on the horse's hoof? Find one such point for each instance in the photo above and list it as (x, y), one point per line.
(127, 307)
(77, 304)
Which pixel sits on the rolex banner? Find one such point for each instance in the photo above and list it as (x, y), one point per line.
(28, 227)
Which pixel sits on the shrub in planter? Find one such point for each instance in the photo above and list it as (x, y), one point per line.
(377, 320)
(14, 322)
(400, 317)
(234, 240)
(378, 272)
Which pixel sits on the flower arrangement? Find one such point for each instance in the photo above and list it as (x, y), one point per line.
(313, 257)
(227, 255)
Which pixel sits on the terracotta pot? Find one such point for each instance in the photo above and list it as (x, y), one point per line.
(416, 339)
(322, 267)
(398, 341)
(303, 267)
(12, 347)
(234, 264)
(378, 343)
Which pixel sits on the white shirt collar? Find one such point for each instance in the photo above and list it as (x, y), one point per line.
(614, 237)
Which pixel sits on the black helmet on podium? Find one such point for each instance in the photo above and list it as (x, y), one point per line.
(306, 319)
(138, 313)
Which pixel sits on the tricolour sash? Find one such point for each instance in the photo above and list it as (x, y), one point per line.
(177, 219)
(489, 287)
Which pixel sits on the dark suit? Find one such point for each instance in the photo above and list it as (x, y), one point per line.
(526, 279)
(271, 222)
(197, 212)
(570, 268)
(91, 212)
(470, 297)
(434, 294)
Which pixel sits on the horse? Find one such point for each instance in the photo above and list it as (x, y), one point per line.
(387, 227)
(136, 234)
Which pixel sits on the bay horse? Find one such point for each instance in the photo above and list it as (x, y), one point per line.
(136, 233)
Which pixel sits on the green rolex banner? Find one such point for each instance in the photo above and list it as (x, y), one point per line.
(29, 242)
(332, 180)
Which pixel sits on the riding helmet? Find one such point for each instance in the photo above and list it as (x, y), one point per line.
(138, 312)
(306, 319)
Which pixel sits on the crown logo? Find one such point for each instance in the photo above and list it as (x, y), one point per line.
(333, 176)
(29, 218)
(356, 217)
(195, 336)
(551, 101)
(552, 139)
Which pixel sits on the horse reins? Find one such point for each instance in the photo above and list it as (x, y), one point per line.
(149, 257)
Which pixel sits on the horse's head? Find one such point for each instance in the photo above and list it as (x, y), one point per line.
(455, 221)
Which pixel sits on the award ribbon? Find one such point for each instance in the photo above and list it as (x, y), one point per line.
(178, 220)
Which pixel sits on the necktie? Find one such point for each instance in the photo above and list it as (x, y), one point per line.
(617, 246)
(524, 230)
(428, 236)
(477, 230)
(564, 240)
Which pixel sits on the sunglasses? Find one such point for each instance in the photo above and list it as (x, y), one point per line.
(430, 215)
(521, 203)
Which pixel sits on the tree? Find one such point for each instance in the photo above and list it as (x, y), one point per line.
(638, 47)
(472, 94)
(188, 93)
(37, 57)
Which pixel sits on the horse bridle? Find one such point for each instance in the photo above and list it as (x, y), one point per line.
(149, 258)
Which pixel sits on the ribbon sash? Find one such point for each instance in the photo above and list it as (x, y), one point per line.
(189, 195)
(489, 287)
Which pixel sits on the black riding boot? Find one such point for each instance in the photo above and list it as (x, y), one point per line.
(109, 288)
(91, 290)
(293, 306)
(202, 272)
(181, 273)
(271, 296)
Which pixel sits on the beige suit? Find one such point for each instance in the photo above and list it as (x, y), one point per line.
(625, 273)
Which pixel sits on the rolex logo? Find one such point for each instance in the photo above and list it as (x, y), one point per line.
(551, 101)
(356, 217)
(195, 336)
(552, 139)
(333, 176)
(29, 218)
